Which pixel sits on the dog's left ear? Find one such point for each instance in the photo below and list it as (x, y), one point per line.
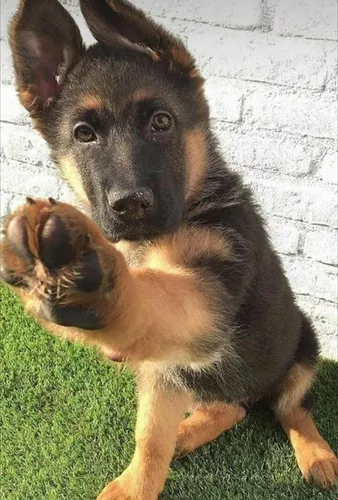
(45, 43)
(114, 22)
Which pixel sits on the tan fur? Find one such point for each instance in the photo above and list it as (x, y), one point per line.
(315, 458)
(196, 161)
(91, 102)
(143, 95)
(206, 424)
(161, 308)
(158, 418)
(72, 176)
(174, 313)
(187, 244)
(153, 312)
(182, 58)
(295, 386)
(28, 99)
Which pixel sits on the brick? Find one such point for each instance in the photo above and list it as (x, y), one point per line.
(305, 113)
(328, 344)
(5, 200)
(7, 72)
(281, 198)
(66, 195)
(284, 235)
(300, 273)
(16, 201)
(262, 194)
(11, 109)
(225, 100)
(328, 168)
(24, 144)
(331, 80)
(232, 13)
(8, 8)
(322, 207)
(258, 56)
(73, 8)
(29, 180)
(308, 18)
(324, 317)
(311, 278)
(271, 151)
(326, 284)
(322, 245)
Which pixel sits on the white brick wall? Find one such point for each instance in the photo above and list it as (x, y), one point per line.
(271, 81)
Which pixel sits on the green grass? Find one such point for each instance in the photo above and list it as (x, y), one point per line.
(68, 419)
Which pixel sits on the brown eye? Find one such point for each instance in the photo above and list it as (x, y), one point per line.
(161, 122)
(84, 133)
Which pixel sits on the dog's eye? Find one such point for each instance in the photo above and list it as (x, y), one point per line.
(160, 122)
(84, 133)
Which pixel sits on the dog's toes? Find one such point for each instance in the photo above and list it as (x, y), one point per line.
(11, 278)
(184, 443)
(180, 453)
(55, 249)
(17, 237)
(324, 472)
(319, 465)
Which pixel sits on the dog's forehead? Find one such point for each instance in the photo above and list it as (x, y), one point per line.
(115, 81)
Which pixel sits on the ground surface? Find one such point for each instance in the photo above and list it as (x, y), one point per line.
(68, 421)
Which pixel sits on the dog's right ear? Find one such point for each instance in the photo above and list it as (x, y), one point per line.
(119, 23)
(45, 43)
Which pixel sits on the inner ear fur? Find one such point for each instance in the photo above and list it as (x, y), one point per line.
(45, 44)
(115, 22)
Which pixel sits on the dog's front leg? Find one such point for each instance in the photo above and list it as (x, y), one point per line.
(159, 414)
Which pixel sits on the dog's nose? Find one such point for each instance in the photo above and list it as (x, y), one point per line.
(135, 204)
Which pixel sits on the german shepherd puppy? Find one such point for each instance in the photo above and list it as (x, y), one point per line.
(175, 275)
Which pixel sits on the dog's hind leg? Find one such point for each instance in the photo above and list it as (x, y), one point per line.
(315, 458)
(206, 424)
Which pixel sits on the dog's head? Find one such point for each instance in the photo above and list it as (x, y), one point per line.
(126, 119)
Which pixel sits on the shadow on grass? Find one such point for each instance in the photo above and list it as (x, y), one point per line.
(255, 460)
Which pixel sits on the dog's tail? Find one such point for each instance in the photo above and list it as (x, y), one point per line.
(308, 348)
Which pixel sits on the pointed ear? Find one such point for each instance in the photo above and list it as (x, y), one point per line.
(112, 21)
(45, 43)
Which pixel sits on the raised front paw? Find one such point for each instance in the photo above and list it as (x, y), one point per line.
(60, 261)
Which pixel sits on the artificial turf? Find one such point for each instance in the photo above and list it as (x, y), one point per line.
(68, 418)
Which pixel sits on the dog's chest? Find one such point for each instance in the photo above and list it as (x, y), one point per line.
(133, 252)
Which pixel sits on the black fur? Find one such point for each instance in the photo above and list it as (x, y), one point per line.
(137, 69)
(76, 316)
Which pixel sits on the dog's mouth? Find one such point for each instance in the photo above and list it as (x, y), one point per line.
(116, 230)
(131, 231)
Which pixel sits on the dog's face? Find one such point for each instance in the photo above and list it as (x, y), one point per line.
(126, 119)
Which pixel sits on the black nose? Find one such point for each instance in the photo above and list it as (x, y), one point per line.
(135, 204)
